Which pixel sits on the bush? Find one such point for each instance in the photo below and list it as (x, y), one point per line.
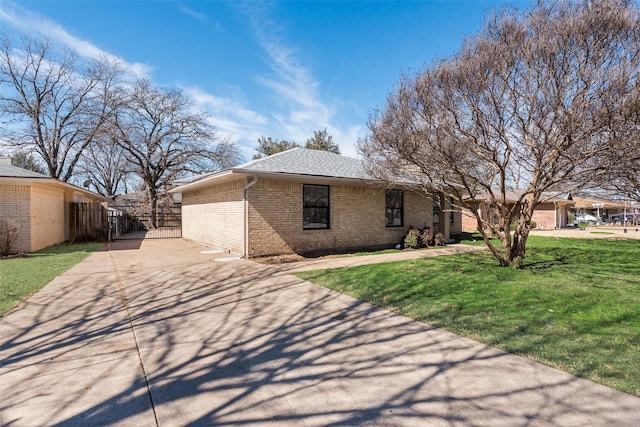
(415, 238)
(412, 239)
(426, 238)
(9, 230)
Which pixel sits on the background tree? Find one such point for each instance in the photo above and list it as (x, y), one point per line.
(549, 97)
(623, 178)
(26, 160)
(104, 165)
(321, 140)
(56, 103)
(165, 139)
(268, 146)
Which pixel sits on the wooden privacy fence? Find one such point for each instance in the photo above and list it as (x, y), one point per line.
(88, 222)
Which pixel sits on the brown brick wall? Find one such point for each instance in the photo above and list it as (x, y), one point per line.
(15, 204)
(213, 216)
(357, 219)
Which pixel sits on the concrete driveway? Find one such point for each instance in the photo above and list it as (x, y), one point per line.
(162, 334)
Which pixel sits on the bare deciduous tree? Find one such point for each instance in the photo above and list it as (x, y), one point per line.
(547, 98)
(105, 165)
(57, 103)
(166, 140)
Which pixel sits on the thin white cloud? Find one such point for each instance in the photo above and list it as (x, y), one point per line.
(294, 87)
(223, 106)
(297, 109)
(295, 91)
(26, 21)
(216, 25)
(187, 10)
(231, 119)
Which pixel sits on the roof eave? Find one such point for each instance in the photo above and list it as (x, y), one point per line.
(222, 176)
(52, 181)
(232, 174)
(304, 177)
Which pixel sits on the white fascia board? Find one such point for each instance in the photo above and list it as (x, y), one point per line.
(206, 181)
(51, 181)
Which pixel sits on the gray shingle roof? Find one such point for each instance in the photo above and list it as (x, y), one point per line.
(303, 161)
(10, 171)
(16, 172)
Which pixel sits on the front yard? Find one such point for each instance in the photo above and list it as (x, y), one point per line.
(574, 306)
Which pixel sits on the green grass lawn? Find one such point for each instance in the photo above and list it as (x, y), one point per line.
(20, 277)
(575, 305)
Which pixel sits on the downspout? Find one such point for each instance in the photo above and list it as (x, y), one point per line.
(555, 215)
(245, 219)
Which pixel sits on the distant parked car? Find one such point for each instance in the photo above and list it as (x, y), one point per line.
(632, 217)
(586, 219)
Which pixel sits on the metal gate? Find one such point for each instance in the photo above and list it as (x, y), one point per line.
(123, 226)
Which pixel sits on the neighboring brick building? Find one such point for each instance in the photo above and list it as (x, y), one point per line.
(304, 201)
(552, 212)
(40, 205)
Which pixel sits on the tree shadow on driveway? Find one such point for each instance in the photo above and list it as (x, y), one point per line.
(241, 344)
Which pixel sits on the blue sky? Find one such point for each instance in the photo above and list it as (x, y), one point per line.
(278, 69)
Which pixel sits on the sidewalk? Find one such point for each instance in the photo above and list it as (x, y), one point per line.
(355, 260)
(597, 232)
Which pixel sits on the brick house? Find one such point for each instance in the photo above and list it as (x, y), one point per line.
(552, 212)
(604, 209)
(40, 204)
(305, 201)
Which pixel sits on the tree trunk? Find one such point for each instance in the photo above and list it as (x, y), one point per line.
(512, 251)
(153, 201)
(518, 248)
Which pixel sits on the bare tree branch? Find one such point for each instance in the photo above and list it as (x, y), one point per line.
(56, 103)
(165, 140)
